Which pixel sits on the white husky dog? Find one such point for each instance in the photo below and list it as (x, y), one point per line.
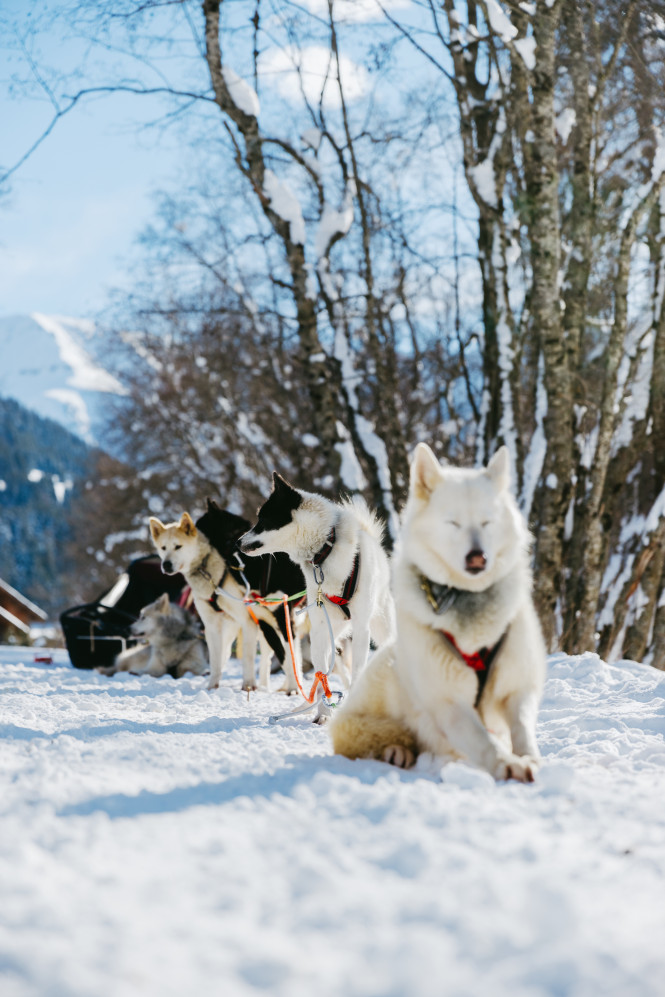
(338, 547)
(465, 675)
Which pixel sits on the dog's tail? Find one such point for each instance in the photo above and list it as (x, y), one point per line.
(367, 518)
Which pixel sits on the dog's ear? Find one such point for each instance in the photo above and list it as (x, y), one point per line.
(186, 524)
(163, 603)
(281, 484)
(156, 528)
(211, 505)
(425, 471)
(498, 469)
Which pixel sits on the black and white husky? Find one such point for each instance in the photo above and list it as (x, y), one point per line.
(338, 547)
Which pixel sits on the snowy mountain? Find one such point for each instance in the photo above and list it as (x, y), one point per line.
(47, 363)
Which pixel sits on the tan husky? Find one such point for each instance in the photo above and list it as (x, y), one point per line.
(218, 593)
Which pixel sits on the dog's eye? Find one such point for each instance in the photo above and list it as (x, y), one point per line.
(488, 522)
(177, 546)
(451, 522)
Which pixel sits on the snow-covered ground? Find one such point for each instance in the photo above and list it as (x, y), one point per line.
(157, 839)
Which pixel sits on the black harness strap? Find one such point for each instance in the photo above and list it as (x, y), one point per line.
(489, 654)
(350, 586)
(214, 599)
(351, 582)
(322, 554)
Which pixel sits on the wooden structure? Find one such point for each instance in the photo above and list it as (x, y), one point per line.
(17, 614)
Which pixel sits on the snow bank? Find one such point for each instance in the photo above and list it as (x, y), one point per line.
(162, 840)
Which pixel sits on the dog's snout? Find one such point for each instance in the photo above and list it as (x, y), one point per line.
(246, 546)
(476, 561)
(167, 568)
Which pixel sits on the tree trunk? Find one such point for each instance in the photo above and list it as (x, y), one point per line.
(544, 231)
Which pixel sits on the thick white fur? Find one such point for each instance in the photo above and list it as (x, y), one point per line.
(161, 625)
(417, 695)
(187, 549)
(371, 606)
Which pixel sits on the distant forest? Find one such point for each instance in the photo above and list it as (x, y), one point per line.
(42, 469)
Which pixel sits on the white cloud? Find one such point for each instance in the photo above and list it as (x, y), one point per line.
(292, 70)
(355, 10)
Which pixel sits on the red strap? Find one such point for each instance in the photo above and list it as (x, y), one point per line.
(477, 661)
(337, 599)
(349, 589)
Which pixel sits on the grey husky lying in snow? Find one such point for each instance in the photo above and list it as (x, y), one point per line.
(465, 675)
(174, 645)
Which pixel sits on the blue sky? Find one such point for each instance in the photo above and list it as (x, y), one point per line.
(69, 222)
(68, 226)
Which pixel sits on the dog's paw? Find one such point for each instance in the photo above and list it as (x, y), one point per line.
(288, 690)
(212, 684)
(520, 769)
(249, 687)
(533, 761)
(401, 757)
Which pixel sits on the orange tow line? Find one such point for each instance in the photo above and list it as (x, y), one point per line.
(320, 678)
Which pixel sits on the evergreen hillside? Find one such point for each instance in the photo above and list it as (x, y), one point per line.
(42, 468)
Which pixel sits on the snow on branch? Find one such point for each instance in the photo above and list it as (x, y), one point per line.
(501, 25)
(285, 204)
(535, 459)
(350, 471)
(241, 93)
(526, 49)
(632, 394)
(482, 175)
(564, 123)
(500, 22)
(334, 224)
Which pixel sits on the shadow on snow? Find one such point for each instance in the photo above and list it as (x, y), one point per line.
(282, 782)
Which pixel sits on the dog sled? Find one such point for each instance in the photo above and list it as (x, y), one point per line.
(97, 631)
